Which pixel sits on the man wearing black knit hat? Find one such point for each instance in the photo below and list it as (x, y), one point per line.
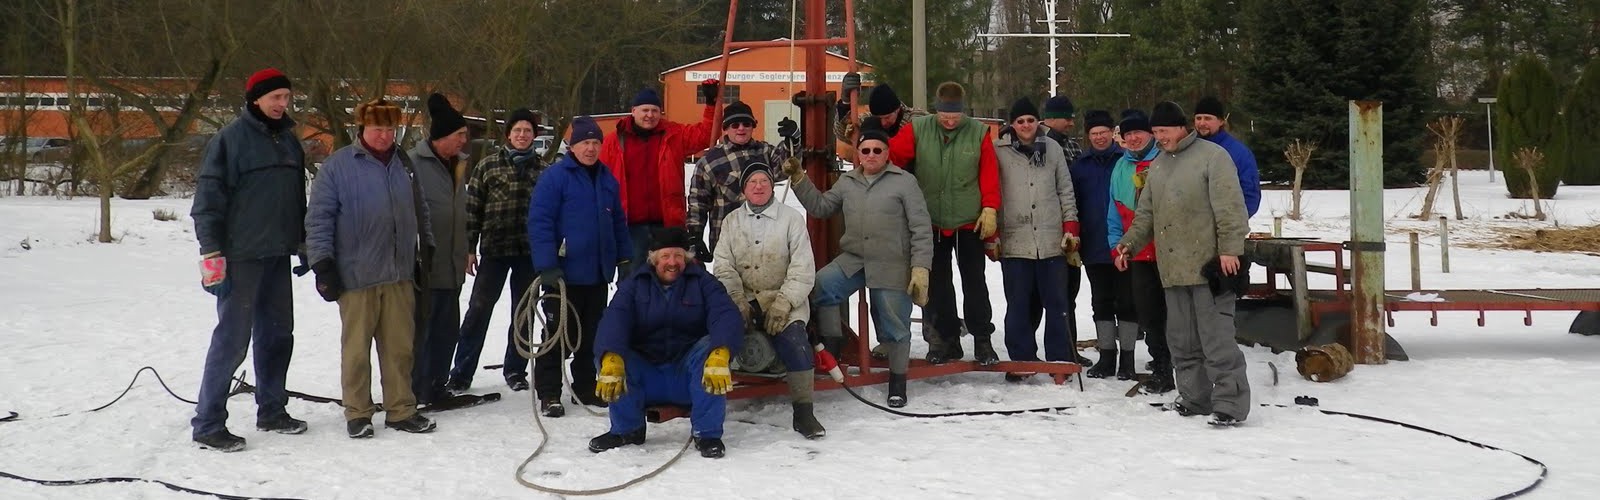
(714, 190)
(1091, 181)
(1211, 122)
(1191, 199)
(441, 170)
(247, 227)
(884, 111)
(498, 195)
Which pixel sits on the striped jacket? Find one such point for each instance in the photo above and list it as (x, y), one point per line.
(497, 205)
(716, 189)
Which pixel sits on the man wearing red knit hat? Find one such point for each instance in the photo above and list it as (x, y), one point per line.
(249, 209)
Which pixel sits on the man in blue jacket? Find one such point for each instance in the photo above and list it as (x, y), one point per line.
(579, 236)
(1211, 122)
(247, 212)
(666, 338)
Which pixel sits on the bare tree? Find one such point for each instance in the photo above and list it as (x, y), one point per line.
(1299, 155)
(1529, 159)
(1447, 134)
(1435, 174)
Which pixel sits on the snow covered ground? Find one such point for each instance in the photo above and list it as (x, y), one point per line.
(78, 318)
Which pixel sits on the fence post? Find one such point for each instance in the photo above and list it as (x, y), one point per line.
(1416, 262)
(1277, 226)
(1366, 233)
(1444, 244)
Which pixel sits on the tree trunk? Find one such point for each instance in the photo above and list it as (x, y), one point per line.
(1455, 182)
(155, 169)
(1299, 173)
(1435, 176)
(1533, 190)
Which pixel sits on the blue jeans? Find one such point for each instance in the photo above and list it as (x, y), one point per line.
(436, 337)
(891, 307)
(1027, 277)
(486, 288)
(259, 307)
(676, 383)
(641, 234)
(793, 347)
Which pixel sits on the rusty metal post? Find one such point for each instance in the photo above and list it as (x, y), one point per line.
(1416, 262)
(1366, 232)
(1444, 244)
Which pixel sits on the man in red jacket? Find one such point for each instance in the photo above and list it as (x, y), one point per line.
(646, 153)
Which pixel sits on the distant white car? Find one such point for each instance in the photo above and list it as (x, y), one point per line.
(541, 144)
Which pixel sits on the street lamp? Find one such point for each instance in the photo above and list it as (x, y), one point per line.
(1488, 109)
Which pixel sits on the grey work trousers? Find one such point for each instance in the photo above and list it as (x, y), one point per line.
(1210, 369)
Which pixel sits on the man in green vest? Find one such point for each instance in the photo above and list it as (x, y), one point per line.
(960, 177)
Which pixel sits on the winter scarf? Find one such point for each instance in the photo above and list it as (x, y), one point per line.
(1122, 189)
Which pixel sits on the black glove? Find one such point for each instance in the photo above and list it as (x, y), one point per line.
(788, 129)
(329, 285)
(850, 85)
(701, 253)
(551, 276)
(1219, 283)
(304, 267)
(708, 89)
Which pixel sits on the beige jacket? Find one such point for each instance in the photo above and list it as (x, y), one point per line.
(1193, 205)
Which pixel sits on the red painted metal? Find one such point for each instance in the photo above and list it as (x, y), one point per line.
(756, 44)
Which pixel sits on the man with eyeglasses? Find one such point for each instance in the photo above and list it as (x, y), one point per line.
(960, 177)
(716, 188)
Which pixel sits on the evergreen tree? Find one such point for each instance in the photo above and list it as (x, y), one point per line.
(1582, 118)
(1526, 109)
(1309, 58)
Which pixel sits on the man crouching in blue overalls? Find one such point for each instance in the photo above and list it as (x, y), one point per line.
(665, 339)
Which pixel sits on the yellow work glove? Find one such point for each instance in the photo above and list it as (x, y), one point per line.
(791, 168)
(1074, 260)
(1069, 243)
(613, 380)
(919, 286)
(717, 379)
(986, 223)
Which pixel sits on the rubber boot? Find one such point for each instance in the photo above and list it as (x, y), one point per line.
(801, 383)
(897, 390)
(830, 327)
(1125, 365)
(899, 362)
(1161, 380)
(1106, 366)
(983, 351)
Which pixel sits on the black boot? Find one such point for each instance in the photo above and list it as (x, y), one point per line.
(897, 390)
(1125, 366)
(983, 351)
(1106, 366)
(417, 424)
(1161, 381)
(608, 440)
(222, 441)
(805, 422)
(551, 407)
(710, 447)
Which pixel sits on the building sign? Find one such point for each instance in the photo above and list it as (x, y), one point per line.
(765, 76)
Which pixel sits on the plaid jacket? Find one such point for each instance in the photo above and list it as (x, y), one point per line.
(716, 190)
(497, 205)
(1068, 143)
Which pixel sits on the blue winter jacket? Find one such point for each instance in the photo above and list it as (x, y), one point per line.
(363, 215)
(1091, 183)
(1245, 161)
(249, 200)
(575, 221)
(661, 323)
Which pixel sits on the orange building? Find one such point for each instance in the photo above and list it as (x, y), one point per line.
(760, 77)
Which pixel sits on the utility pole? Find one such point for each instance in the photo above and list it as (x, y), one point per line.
(1050, 23)
(919, 53)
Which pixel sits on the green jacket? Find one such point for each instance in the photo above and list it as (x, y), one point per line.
(1192, 203)
(956, 169)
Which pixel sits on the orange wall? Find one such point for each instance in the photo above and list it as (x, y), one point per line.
(679, 87)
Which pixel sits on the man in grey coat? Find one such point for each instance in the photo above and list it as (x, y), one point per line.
(1038, 227)
(441, 168)
(887, 247)
(1192, 204)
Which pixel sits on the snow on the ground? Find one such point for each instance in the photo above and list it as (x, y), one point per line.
(80, 317)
